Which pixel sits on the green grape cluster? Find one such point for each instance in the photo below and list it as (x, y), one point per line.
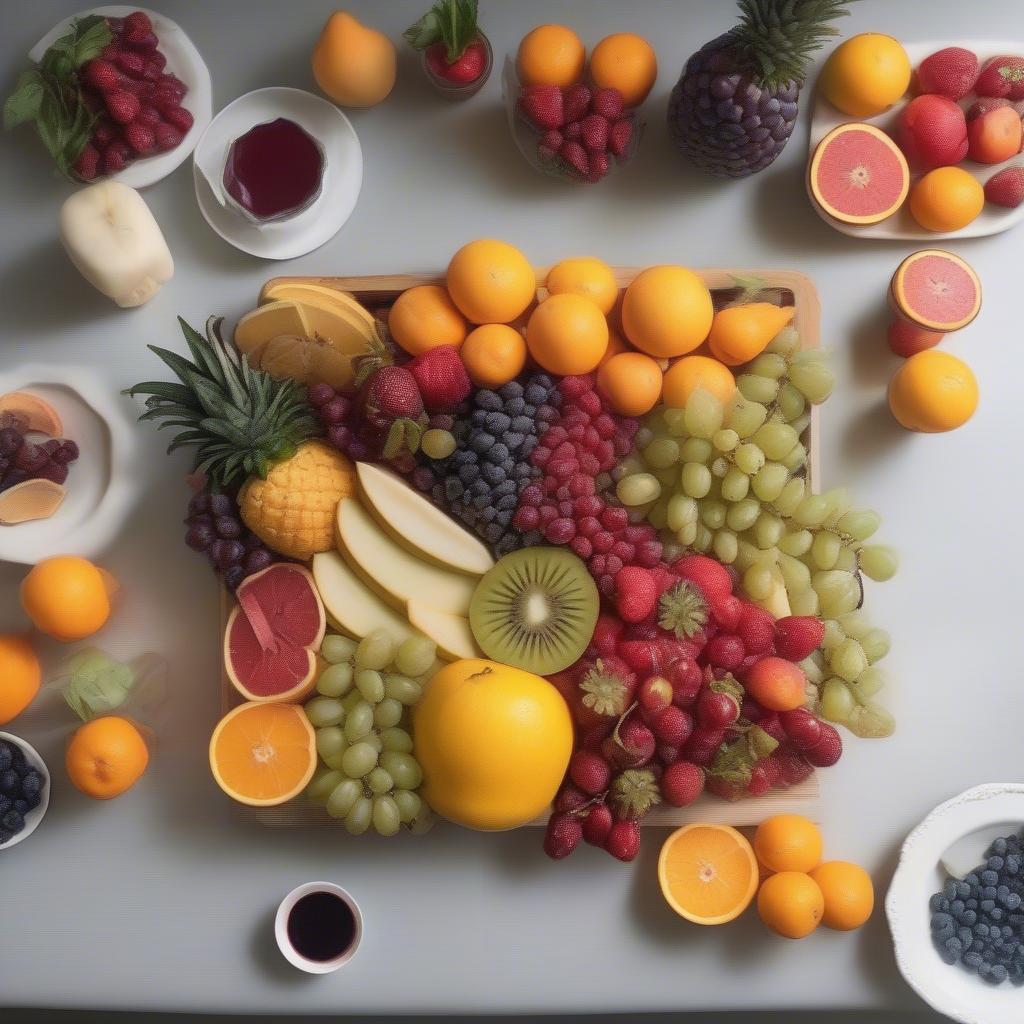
(730, 479)
(367, 774)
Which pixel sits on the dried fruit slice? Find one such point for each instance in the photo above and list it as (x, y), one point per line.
(858, 174)
(263, 754)
(29, 500)
(936, 291)
(36, 413)
(273, 634)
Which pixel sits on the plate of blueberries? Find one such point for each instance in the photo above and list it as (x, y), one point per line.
(24, 790)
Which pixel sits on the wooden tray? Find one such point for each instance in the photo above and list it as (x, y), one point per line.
(794, 289)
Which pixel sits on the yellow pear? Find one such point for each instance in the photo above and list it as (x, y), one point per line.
(353, 64)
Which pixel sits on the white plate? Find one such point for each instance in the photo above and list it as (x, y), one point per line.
(950, 989)
(184, 61)
(991, 220)
(343, 173)
(35, 816)
(99, 488)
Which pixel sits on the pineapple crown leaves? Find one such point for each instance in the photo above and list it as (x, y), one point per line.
(240, 420)
(778, 37)
(604, 692)
(452, 22)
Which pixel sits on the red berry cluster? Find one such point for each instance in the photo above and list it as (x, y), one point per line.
(663, 712)
(137, 102)
(564, 505)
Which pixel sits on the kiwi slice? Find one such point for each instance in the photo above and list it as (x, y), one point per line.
(535, 609)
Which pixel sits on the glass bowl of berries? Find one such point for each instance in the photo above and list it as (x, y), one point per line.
(24, 790)
(456, 55)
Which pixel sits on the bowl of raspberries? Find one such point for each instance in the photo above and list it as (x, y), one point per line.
(24, 790)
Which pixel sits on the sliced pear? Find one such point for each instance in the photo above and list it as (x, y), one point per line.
(320, 295)
(262, 324)
(395, 572)
(450, 632)
(418, 525)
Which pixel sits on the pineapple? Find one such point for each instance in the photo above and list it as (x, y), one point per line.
(735, 104)
(253, 430)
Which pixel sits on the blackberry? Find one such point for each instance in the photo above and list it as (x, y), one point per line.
(6, 755)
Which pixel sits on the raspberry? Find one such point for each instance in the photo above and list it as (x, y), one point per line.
(614, 518)
(596, 824)
(725, 651)
(560, 531)
(526, 518)
(801, 727)
(756, 628)
(562, 835)
(681, 783)
(712, 577)
(602, 541)
(623, 840)
(581, 547)
(828, 749)
(798, 636)
(589, 772)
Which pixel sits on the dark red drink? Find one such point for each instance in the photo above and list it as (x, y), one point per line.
(321, 926)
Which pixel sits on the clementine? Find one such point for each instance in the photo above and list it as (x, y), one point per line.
(493, 354)
(848, 893)
(631, 382)
(933, 392)
(788, 842)
(66, 597)
(425, 317)
(667, 311)
(550, 55)
(791, 904)
(491, 282)
(946, 199)
(586, 276)
(106, 757)
(626, 62)
(688, 374)
(20, 676)
(567, 334)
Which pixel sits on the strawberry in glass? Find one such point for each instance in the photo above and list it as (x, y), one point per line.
(456, 54)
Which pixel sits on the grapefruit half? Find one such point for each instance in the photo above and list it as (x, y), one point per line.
(936, 291)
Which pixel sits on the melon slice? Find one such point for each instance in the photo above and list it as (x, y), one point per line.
(936, 291)
(321, 296)
(273, 634)
(31, 499)
(451, 633)
(31, 412)
(858, 175)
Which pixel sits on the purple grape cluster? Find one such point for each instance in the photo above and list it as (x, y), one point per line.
(22, 459)
(216, 529)
(341, 429)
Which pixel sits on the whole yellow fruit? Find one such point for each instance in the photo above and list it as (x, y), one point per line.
(933, 392)
(946, 199)
(667, 311)
(355, 65)
(66, 597)
(791, 904)
(848, 893)
(493, 742)
(584, 275)
(866, 74)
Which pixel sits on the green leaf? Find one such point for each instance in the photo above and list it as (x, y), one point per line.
(92, 35)
(23, 104)
(452, 22)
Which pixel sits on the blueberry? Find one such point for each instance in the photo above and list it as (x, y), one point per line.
(489, 401)
(1012, 901)
(1012, 864)
(523, 472)
(507, 502)
(989, 892)
(536, 394)
(963, 890)
(969, 918)
(487, 514)
(935, 901)
(972, 960)
(949, 889)
(9, 782)
(943, 904)
(971, 904)
(996, 913)
(513, 439)
(516, 406)
(513, 389)
(21, 806)
(31, 783)
(497, 422)
(481, 442)
(989, 877)
(953, 943)
(453, 487)
(18, 760)
(506, 488)
(492, 532)
(479, 487)
(522, 424)
(999, 847)
(497, 454)
(998, 974)
(987, 906)
(972, 878)
(956, 908)
(13, 821)
(493, 474)
(980, 929)
(996, 863)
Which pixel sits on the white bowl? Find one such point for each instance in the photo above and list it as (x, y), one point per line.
(100, 482)
(901, 225)
(34, 816)
(950, 989)
(183, 60)
(290, 953)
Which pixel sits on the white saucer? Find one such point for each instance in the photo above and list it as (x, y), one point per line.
(343, 172)
(183, 60)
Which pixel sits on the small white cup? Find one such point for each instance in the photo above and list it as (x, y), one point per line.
(290, 953)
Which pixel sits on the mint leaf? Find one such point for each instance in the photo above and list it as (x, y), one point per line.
(424, 33)
(23, 104)
(452, 22)
(93, 35)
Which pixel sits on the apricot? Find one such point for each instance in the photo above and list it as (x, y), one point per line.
(776, 684)
(353, 64)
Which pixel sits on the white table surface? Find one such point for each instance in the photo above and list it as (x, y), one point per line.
(163, 899)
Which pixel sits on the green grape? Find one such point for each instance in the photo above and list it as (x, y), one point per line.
(735, 484)
(825, 549)
(855, 624)
(791, 495)
(333, 761)
(847, 560)
(401, 688)
(351, 699)
(696, 449)
(396, 740)
(373, 738)
(757, 582)
(371, 685)
(742, 515)
(638, 489)
(387, 713)
(322, 785)
(376, 651)
(657, 514)
(796, 458)
(878, 561)
(437, 444)
(719, 467)
(837, 591)
(795, 574)
(812, 511)
(695, 479)
(747, 555)
(337, 649)
(423, 822)
(725, 546)
(323, 711)
(804, 602)
(812, 377)
(833, 635)
(860, 523)
(359, 760)
(791, 403)
(628, 466)
(357, 821)
(336, 679)
(330, 742)
(867, 684)
(712, 513)
(870, 721)
(813, 668)
(757, 389)
(749, 458)
(775, 439)
(837, 702)
(768, 530)
(703, 414)
(343, 797)
(408, 803)
(379, 781)
(416, 656)
(703, 538)
(801, 423)
(725, 440)
(746, 417)
(786, 342)
(876, 644)
(838, 501)
(688, 534)
(386, 819)
(769, 480)
(404, 769)
(679, 511)
(661, 453)
(848, 660)
(675, 422)
(768, 364)
(796, 542)
(358, 722)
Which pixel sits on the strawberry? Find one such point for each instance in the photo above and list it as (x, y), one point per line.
(598, 163)
(764, 774)
(756, 629)
(87, 164)
(137, 21)
(631, 746)
(571, 130)
(390, 393)
(636, 593)
(623, 840)
(576, 101)
(132, 64)
(110, 52)
(100, 75)
(772, 724)
(140, 137)
(167, 137)
(672, 725)
(594, 133)
(104, 133)
(798, 636)
(950, 72)
(115, 156)
(725, 651)
(828, 749)
(178, 116)
(569, 798)
(549, 144)
(711, 576)
(122, 105)
(802, 728)
(589, 772)
(642, 656)
(607, 103)
(1002, 76)
(441, 377)
(465, 69)
(142, 42)
(562, 835)
(595, 824)
(654, 694)
(793, 766)
(725, 788)
(726, 612)
(155, 64)
(681, 783)
(703, 744)
(1006, 188)
(593, 737)
(686, 679)
(149, 116)
(575, 156)
(716, 709)
(542, 105)
(606, 634)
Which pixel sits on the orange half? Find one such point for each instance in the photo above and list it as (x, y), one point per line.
(263, 754)
(708, 873)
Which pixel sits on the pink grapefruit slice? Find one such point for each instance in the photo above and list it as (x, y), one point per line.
(936, 291)
(273, 634)
(858, 174)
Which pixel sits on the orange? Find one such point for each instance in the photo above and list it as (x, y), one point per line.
(933, 392)
(688, 374)
(66, 597)
(616, 344)
(740, 333)
(946, 199)
(626, 62)
(848, 893)
(493, 354)
(708, 873)
(667, 311)
(263, 754)
(791, 904)
(492, 282)
(550, 55)
(586, 276)
(567, 334)
(866, 74)
(20, 676)
(354, 64)
(425, 317)
(788, 842)
(106, 757)
(631, 382)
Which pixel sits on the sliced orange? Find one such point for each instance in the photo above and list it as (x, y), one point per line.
(263, 754)
(708, 873)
